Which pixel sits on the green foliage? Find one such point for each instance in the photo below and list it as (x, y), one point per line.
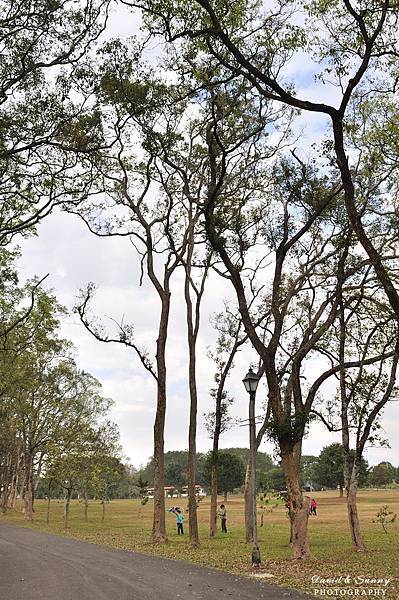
(47, 114)
(328, 470)
(273, 479)
(175, 469)
(52, 413)
(382, 474)
(231, 472)
(264, 461)
(308, 468)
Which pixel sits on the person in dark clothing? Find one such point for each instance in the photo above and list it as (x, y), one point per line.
(223, 517)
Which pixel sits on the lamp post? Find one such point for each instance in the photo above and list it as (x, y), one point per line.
(250, 382)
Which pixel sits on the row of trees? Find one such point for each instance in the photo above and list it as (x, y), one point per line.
(53, 417)
(323, 471)
(200, 165)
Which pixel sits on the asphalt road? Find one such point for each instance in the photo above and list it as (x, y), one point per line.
(39, 566)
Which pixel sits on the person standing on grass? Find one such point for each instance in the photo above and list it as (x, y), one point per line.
(223, 517)
(179, 521)
(313, 508)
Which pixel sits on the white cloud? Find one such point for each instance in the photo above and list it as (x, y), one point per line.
(73, 257)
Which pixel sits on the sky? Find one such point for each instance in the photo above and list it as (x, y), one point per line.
(72, 256)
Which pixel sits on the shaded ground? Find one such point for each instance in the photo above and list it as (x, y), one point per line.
(36, 565)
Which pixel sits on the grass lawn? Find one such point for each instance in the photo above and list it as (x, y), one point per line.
(128, 526)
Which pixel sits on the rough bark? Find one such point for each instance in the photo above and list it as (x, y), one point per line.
(159, 526)
(6, 478)
(353, 517)
(86, 507)
(48, 510)
(192, 333)
(299, 504)
(29, 488)
(67, 503)
(16, 479)
(214, 500)
(351, 474)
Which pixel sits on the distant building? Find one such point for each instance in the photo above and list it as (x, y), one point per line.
(172, 492)
(199, 491)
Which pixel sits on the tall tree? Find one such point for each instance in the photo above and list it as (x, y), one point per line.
(353, 45)
(193, 313)
(150, 225)
(290, 402)
(363, 344)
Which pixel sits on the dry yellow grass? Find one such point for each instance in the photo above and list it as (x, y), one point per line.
(128, 526)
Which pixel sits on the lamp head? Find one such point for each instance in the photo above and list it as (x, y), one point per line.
(251, 381)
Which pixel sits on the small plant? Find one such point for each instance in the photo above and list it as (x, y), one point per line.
(384, 517)
(267, 503)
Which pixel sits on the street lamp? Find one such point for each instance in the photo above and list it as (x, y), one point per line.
(250, 382)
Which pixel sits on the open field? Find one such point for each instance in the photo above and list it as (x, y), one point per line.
(128, 526)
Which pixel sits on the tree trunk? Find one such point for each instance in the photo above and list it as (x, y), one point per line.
(214, 500)
(291, 534)
(22, 494)
(351, 474)
(5, 482)
(299, 504)
(355, 218)
(48, 510)
(341, 490)
(66, 507)
(191, 479)
(86, 507)
(158, 525)
(353, 517)
(103, 510)
(29, 491)
(248, 503)
(14, 485)
(192, 332)
(225, 497)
